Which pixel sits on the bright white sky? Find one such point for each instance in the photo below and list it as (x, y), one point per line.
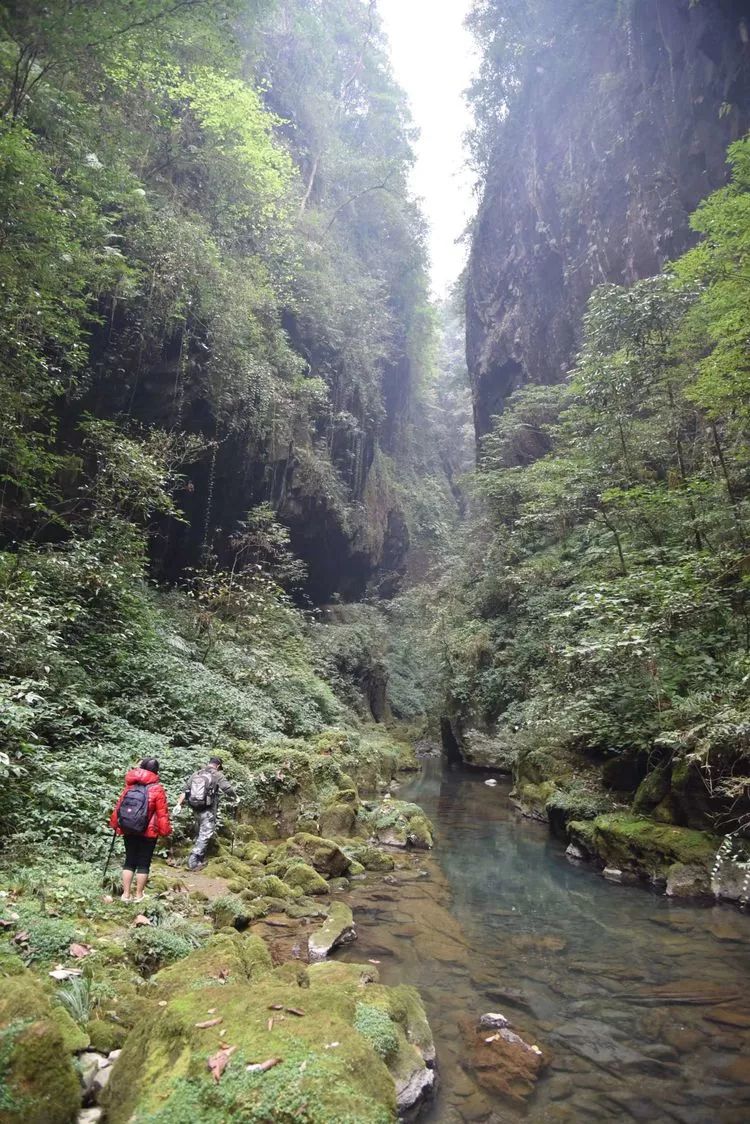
(433, 60)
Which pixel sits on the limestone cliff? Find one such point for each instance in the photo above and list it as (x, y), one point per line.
(619, 128)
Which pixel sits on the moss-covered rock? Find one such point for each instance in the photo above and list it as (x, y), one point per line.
(338, 819)
(38, 1080)
(228, 957)
(640, 845)
(652, 790)
(366, 857)
(306, 879)
(323, 854)
(397, 823)
(330, 1072)
(105, 1036)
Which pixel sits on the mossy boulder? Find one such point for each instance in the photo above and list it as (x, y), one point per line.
(330, 1073)
(647, 848)
(105, 1036)
(38, 1080)
(652, 790)
(366, 857)
(227, 958)
(397, 823)
(305, 878)
(338, 819)
(323, 854)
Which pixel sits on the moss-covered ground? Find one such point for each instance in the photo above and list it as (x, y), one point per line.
(229, 942)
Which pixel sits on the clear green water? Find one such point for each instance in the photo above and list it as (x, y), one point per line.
(642, 1003)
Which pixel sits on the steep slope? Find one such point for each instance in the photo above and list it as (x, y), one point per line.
(601, 132)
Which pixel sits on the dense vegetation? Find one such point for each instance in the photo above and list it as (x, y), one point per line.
(604, 609)
(214, 318)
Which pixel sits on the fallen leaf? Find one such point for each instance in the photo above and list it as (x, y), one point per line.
(209, 1022)
(21, 938)
(162, 1002)
(78, 951)
(332, 1045)
(141, 919)
(108, 899)
(295, 1011)
(370, 961)
(220, 1060)
(66, 973)
(211, 1011)
(492, 1038)
(269, 1025)
(261, 1067)
(275, 1006)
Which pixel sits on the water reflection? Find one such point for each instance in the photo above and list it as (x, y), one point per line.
(643, 1003)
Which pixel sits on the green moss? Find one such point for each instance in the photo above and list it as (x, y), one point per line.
(229, 956)
(368, 858)
(322, 854)
(11, 963)
(105, 1036)
(377, 1027)
(652, 790)
(74, 1038)
(338, 819)
(38, 1081)
(622, 840)
(305, 878)
(162, 1078)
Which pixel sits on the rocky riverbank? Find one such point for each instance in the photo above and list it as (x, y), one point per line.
(631, 822)
(219, 999)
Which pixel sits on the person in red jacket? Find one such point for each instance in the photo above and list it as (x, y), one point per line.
(139, 846)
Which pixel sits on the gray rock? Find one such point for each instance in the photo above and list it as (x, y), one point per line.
(413, 1090)
(89, 1065)
(101, 1080)
(612, 874)
(685, 880)
(337, 929)
(90, 1115)
(493, 1019)
(574, 853)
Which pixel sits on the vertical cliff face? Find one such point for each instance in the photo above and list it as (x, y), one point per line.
(619, 128)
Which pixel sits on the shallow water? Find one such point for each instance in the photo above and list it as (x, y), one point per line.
(642, 1004)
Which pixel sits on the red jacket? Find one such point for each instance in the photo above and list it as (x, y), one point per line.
(158, 809)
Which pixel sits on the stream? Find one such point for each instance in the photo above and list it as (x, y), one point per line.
(642, 1003)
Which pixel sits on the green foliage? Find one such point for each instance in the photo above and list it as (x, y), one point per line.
(151, 947)
(603, 605)
(374, 1024)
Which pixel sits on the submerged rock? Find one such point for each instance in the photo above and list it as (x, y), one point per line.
(502, 1061)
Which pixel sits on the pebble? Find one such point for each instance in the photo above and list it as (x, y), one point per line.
(90, 1115)
(493, 1019)
(491, 782)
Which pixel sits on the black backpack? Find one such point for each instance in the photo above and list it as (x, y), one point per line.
(133, 815)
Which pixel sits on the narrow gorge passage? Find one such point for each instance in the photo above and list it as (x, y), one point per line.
(640, 1002)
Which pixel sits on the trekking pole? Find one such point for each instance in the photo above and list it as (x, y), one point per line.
(109, 856)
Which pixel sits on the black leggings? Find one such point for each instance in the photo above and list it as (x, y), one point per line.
(139, 851)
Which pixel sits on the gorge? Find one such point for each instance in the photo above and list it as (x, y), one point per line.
(456, 585)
